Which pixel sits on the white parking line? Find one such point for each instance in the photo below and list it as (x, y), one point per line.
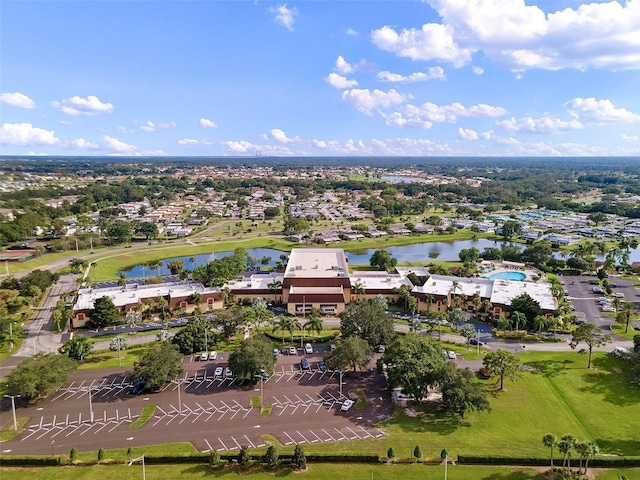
(368, 434)
(236, 442)
(303, 437)
(250, 442)
(354, 433)
(329, 435)
(284, 407)
(223, 445)
(208, 445)
(341, 434)
(317, 437)
(292, 440)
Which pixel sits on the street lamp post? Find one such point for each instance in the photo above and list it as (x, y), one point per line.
(478, 341)
(90, 406)
(52, 442)
(138, 460)
(179, 396)
(302, 331)
(13, 408)
(341, 374)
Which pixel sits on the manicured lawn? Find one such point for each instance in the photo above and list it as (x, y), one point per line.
(109, 359)
(619, 330)
(314, 472)
(146, 413)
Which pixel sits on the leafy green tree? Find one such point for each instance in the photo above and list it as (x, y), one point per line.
(351, 352)
(161, 362)
(39, 375)
(299, 459)
(591, 335)
(148, 230)
(526, 304)
(104, 312)
(270, 458)
(101, 454)
(73, 455)
(78, 348)
(417, 453)
(243, 457)
(412, 363)
(459, 391)
(195, 336)
(293, 225)
(502, 363)
(219, 271)
(511, 228)
(214, 458)
(175, 267)
(550, 441)
(391, 453)
(369, 321)
(383, 260)
(253, 355)
(118, 231)
(519, 319)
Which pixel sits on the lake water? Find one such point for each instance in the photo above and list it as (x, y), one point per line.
(419, 252)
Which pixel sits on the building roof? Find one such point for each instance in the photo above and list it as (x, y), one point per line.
(317, 263)
(373, 281)
(132, 294)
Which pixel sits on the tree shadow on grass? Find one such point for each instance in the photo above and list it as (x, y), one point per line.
(550, 368)
(430, 419)
(608, 379)
(619, 447)
(234, 471)
(514, 476)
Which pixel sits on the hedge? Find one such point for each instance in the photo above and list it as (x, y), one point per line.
(30, 461)
(605, 462)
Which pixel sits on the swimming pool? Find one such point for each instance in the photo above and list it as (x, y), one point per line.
(516, 276)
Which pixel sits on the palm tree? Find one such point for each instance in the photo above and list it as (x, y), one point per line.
(429, 298)
(592, 451)
(565, 445)
(540, 322)
(227, 296)
(455, 285)
(628, 309)
(476, 300)
(550, 441)
(518, 317)
(275, 285)
(358, 289)
(314, 325)
(196, 297)
(284, 324)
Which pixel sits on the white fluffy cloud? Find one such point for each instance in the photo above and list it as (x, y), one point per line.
(279, 136)
(521, 36)
(338, 81)
(82, 144)
(116, 146)
(83, 106)
(545, 125)
(284, 15)
(467, 134)
(590, 110)
(26, 135)
(241, 146)
(433, 73)
(193, 141)
(343, 67)
(148, 126)
(425, 115)
(206, 123)
(17, 100)
(630, 138)
(366, 101)
(432, 42)
(477, 70)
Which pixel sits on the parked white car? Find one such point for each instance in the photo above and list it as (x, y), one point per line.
(346, 405)
(308, 348)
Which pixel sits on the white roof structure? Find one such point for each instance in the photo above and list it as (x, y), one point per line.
(419, 271)
(443, 285)
(255, 281)
(317, 263)
(379, 280)
(138, 293)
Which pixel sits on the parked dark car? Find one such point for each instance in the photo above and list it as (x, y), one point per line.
(137, 387)
(322, 366)
(475, 341)
(304, 363)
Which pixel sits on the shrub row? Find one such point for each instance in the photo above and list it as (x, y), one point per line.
(30, 461)
(605, 462)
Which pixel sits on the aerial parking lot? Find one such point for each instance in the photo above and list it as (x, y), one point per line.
(213, 412)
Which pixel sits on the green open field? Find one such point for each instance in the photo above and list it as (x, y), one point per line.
(313, 472)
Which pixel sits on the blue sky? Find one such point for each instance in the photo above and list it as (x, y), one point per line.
(320, 78)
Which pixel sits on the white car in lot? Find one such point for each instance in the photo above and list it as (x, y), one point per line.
(308, 348)
(346, 405)
(218, 372)
(293, 351)
(213, 355)
(204, 356)
(451, 355)
(228, 373)
(618, 295)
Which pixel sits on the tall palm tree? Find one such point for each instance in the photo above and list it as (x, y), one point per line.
(592, 451)
(565, 445)
(625, 314)
(517, 318)
(550, 441)
(358, 289)
(275, 285)
(429, 299)
(284, 324)
(314, 325)
(540, 322)
(476, 300)
(196, 297)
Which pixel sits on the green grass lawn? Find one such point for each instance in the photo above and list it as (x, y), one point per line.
(108, 359)
(619, 330)
(314, 472)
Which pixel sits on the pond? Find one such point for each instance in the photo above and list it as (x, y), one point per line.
(418, 252)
